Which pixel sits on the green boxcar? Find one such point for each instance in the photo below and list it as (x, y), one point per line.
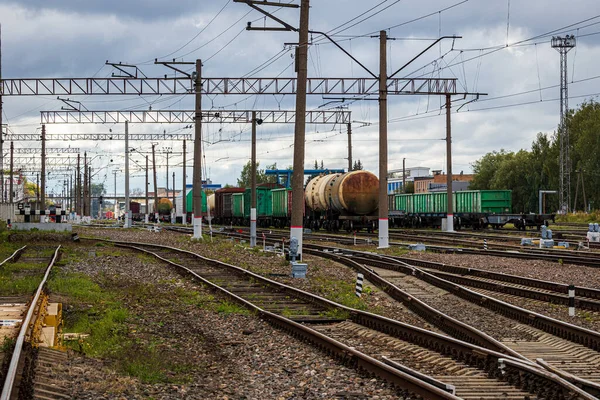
(280, 200)
(496, 201)
(263, 202)
(237, 205)
(190, 201)
(466, 202)
(404, 203)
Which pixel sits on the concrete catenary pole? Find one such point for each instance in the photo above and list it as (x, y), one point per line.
(116, 201)
(10, 176)
(174, 212)
(450, 214)
(84, 211)
(127, 210)
(383, 148)
(253, 184)
(300, 129)
(404, 175)
(77, 186)
(349, 147)
(155, 185)
(146, 217)
(43, 188)
(184, 209)
(89, 185)
(37, 192)
(197, 179)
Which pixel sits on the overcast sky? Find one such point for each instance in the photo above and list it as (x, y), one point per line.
(504, 51)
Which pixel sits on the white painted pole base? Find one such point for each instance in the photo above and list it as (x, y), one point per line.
(146, 218)
(197, 228)
(384, 233)
(253, 227)
(296, 231)
(450, 223)
(156, 218)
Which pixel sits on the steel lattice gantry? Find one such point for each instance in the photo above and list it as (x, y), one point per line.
(214, 86)
(187, 117)
(98, 136)
(50, 161)
(35, 150)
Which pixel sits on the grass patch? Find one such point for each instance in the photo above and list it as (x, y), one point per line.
(11, 286)
(340, 291)
(226, 307)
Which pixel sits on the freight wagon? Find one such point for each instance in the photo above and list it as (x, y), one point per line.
(472, 208)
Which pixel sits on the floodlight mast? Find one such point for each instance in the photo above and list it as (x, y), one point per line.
(563, 45)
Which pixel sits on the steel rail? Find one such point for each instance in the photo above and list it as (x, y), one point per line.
(13, 256)
(533, 379)
(341, 351)
(573, 333)
(11, 374)
(499, 276)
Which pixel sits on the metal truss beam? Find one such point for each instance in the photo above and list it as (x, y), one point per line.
(187, 117)
(98, 136)
(50, 161)
(55, 150)
(241, 86)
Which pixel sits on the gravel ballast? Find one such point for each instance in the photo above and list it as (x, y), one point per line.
(218, 355)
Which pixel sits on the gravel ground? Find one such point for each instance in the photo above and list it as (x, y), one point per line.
(228, 356)
(320, 275)
(495, 325)
(545, 270)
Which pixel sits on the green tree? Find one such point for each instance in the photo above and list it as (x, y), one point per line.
(584, 131)
(410, 187)
(357, 166)
(261, 176)
(164, 206)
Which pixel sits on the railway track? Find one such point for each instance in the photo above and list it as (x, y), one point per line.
(561, 344)
(28, 370)
(566, 343)
(404, 355)
(586, 298)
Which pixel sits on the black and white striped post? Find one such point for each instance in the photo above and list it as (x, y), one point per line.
(571, 300)
(485, 244)
(359, 284)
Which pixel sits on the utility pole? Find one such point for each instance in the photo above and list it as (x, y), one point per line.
(37, 192)
(155, 187)
(253, 184)
(404, 175)
(89, 185)
(184, 209)
(147, 202)
(450, 213)
(563, 45)
(174, 212)
(84, 210)
(349, 147)
(127, 211)
(297, 222)
(43, 196)
(383, 148)
(197, 179)
(77, 186)
(10, 184)
(116, 202)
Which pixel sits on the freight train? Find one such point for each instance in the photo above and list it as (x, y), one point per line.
(349, 202)
(333, 202)
(472, 208)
